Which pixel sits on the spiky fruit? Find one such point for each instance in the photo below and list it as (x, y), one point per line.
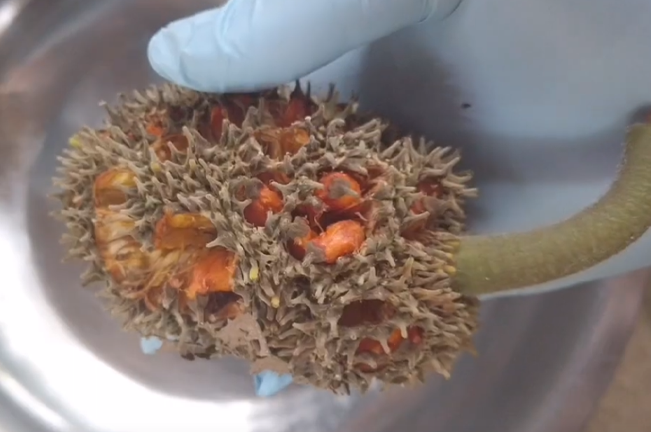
(283, 229)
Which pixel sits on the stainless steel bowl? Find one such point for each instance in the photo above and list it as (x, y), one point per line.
(65, 365)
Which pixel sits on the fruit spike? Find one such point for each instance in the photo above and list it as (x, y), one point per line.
(299, 235)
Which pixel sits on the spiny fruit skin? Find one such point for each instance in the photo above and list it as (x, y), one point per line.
(276, 227)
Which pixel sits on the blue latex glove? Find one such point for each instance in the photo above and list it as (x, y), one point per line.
(150, 345)
(270, 383)
(533, 92)
(254, 44)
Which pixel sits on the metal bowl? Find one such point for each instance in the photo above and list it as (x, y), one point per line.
(65, 365)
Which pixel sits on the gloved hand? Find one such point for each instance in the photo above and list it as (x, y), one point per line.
(222, 50)
(255, 44)
(535, 96)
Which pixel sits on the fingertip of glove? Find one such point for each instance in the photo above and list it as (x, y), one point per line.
(151, 345)
(159, 54)
(268, 383)
(167, 49)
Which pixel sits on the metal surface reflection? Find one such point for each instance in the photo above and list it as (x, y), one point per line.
(66, 366)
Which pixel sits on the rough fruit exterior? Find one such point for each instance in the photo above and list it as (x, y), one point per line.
(277, 227)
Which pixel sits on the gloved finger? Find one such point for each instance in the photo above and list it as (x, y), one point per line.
(150, 345)
(266, 384)
(269, 383)
(249, 45)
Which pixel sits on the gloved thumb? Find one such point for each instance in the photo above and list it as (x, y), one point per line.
(249, 45)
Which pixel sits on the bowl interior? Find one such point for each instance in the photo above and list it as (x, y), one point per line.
(531, 347)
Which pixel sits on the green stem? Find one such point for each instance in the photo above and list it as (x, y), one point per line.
(488, 264)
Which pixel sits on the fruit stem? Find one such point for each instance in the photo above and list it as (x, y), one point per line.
(489, 264)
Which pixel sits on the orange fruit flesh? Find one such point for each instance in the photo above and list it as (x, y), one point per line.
(267, 201)
(109, 187)
(374, 312)
(429, 188)
(298, 247)
(345, 202)
(162, 149)
(180, 231)
(340, 239)
(213, 272)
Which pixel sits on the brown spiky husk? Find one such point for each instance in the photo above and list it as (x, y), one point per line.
(300, 334)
